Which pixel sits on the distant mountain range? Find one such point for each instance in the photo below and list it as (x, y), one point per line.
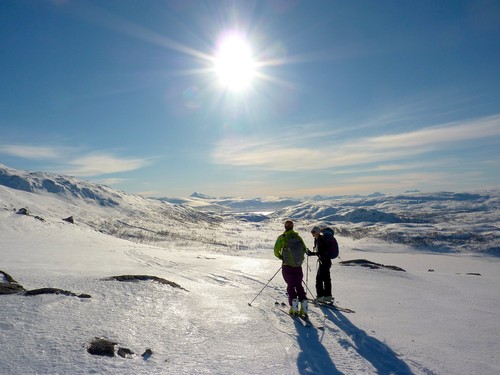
(232, 204)
(441, 221)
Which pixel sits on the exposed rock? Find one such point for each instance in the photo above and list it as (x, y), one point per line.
(7, 288)
(135, 278)
(36, 292)
(102, 346)
(8, 285)
(69, 220)
(106, 348)
(23, 211)
(125, 352)
(148, 353)
(7, 277)
(369, 264)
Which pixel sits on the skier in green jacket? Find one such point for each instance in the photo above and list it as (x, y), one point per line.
(290, 248)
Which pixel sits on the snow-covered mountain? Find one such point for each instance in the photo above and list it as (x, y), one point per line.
(104, 209)
(202, 298)
(205, 202)
(442, 221)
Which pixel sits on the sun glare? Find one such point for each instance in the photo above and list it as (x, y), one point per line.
(234, 64)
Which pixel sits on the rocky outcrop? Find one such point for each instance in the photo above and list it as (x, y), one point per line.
(8, 285)
(135, 278)
(370, 264)
(36, 292)
(104, 347)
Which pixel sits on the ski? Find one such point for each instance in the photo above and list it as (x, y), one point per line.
(333, 306)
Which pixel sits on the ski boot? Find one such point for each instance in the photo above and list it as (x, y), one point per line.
(294, 309)
(304, 308)
(328, 299)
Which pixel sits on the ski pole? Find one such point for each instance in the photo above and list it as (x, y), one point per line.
(258, 294)
(309, 290)
(307, 270)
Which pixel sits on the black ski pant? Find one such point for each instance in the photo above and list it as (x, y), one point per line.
(323, 280)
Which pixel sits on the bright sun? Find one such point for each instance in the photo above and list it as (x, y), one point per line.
(234, 63)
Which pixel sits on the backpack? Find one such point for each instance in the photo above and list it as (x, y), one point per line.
(331, 243)
(293, 252)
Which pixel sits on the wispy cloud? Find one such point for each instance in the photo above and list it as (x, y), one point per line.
(31, 152)
(102, 163)
(111, 181)
(291, 154)
(76, 162)
(441, 135)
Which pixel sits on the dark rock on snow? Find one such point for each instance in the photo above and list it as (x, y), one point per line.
(125, 352)
(8, 285)
(106, 348)
(36, 292)
(145, 278)
(148, 353)
(24, 211)
(102, 346)
(369, 264)
(69, 220)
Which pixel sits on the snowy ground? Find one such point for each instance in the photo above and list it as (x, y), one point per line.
(417, 322)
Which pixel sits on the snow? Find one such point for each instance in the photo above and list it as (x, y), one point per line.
(438, 317)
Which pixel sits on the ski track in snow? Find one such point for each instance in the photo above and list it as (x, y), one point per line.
(306, 344)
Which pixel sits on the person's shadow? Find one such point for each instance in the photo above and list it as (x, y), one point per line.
(313, 357)
(378, 354)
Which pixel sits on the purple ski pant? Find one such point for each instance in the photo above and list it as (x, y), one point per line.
(293, 277)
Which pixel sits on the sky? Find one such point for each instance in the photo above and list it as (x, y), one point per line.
(253, 98)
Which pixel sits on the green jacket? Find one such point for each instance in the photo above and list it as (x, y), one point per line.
(282, 249)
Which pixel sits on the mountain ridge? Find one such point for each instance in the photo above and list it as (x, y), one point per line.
(443, 221)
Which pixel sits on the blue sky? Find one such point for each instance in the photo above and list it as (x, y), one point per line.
(347, 97)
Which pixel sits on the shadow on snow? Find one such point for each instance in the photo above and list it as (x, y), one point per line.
(313, 357)
(380, 355)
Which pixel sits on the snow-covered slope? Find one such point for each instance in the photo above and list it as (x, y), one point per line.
(442, 222)
(103, 208)
(205, 202)
(445, 222)
(438, 317)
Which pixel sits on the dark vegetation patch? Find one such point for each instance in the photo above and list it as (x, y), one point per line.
(8, 285)
(102, 346)
(135, 278)
(36, 292)
(370, 264)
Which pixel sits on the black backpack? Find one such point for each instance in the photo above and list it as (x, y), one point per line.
(330, 243)
(293, 252)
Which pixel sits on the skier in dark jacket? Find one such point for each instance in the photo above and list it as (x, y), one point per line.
(323, 279)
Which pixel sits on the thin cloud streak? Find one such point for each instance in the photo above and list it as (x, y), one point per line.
(482, 128)
(91, 164)
(272, 155)
(31, 152)
(99, 164)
